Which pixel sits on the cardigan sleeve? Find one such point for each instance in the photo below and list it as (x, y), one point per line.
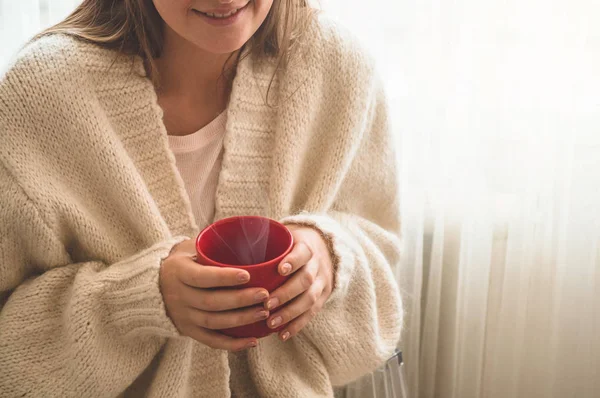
(360, 325)
(80, 329)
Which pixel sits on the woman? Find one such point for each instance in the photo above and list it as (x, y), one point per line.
(131, 125)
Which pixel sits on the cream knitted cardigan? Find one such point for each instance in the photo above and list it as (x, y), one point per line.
(91, 202)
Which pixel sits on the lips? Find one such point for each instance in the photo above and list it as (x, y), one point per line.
(222, 13)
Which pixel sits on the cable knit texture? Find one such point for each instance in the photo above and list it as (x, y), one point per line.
(91, 202)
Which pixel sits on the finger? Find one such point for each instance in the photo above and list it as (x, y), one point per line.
(299, 306)
(227, 319)
(296, 285)
(204, 276)
(220, 341)
(222, 299)
(295, 326)
(298, 257)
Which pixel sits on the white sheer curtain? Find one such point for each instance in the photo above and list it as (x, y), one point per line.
(496, 108)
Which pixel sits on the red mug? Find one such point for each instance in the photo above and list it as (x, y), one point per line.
(254, 244)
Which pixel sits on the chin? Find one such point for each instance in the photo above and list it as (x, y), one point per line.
(223, 45)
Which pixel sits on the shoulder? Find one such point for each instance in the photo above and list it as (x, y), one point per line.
(56, 64)
(55, 75)
(332, 62)
(50, 95)
(42, 76)
(41, 81)
(336, 51)
(43, 60)
(35, 92)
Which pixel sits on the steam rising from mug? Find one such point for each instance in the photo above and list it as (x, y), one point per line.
(248, 246)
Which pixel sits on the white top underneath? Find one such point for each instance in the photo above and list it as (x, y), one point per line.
(198, 158)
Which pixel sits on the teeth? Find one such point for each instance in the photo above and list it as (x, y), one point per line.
(221, 15)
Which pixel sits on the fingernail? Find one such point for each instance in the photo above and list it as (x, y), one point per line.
(286, 268)
(252, 345)
(243, 277)
(261, 296)
(285, 336)
(276, 322)
(261, 315)
(274, 302)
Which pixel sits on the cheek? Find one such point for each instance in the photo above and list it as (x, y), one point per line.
(173, 12)
(263, 7)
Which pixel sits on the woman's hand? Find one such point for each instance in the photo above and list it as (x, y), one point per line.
(198, 301)
(308, 288)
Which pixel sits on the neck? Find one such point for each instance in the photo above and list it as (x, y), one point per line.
(190, 73)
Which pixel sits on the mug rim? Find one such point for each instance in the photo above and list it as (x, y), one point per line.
(229, 219)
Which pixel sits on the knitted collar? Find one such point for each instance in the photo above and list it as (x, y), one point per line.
(248, 143)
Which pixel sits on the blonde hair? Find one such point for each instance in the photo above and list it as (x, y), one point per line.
(134, 27)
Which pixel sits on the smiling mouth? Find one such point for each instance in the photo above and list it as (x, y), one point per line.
(222, 16)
